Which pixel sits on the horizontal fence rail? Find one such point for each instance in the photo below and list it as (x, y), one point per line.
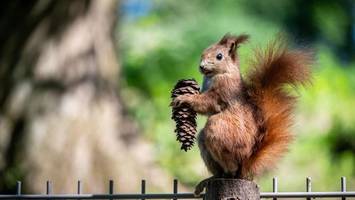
(308, 194)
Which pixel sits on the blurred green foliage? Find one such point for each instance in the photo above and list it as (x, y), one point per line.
(165, 45)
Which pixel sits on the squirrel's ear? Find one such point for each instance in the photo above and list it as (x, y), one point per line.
(232, 42)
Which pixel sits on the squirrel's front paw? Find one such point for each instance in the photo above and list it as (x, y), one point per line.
(180, 100)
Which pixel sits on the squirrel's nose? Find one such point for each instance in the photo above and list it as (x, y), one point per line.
(202, 67)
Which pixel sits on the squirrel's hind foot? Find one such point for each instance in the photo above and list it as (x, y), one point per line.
(201, 186)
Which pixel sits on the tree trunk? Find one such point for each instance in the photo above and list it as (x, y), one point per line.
(231, 189)
(61, 117)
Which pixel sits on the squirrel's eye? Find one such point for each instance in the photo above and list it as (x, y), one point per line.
(219, 56)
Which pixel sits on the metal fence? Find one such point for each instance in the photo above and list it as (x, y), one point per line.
(308, 194)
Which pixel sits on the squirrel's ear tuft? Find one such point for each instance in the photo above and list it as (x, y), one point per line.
(236, 39)
(241, 39)
(233, 42)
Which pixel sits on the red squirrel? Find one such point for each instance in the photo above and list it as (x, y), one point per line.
(249, 117)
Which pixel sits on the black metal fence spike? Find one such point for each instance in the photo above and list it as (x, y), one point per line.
(143, 188)
(48, 187)
(343, 186)
(110, 189)
(79, 187)
(18, 188)
(274, 186)
(175, 187)
(308, 186)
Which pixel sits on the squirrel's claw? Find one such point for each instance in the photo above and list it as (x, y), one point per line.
(178, 101)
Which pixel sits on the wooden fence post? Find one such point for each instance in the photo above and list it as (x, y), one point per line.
(231, 189)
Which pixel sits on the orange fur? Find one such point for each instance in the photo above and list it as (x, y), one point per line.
(274, 68)
(247, 129)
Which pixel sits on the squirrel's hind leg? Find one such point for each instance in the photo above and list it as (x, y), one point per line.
(210, 163)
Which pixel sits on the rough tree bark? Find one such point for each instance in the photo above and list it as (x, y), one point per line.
(231, 189)
(61, 117)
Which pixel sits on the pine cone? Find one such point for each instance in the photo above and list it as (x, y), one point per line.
(183, 115)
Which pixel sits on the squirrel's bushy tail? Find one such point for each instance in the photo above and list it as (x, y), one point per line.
(272, 70)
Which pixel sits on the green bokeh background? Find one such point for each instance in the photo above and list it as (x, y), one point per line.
(165, 44)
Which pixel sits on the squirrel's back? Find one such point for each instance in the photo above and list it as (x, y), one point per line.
(272, 70)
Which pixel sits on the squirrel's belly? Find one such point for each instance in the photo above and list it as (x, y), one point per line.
(229, 139)
(230, 126)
